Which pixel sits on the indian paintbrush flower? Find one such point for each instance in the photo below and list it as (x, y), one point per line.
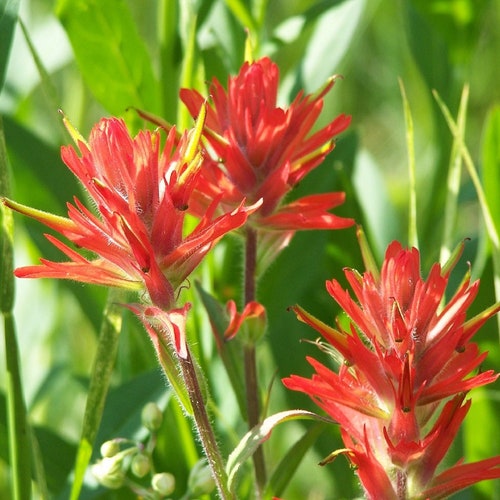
(141, 192)
(260, 150)
(406, 364)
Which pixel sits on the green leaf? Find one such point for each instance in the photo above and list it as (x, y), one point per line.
(429, 49)
(260, 433)
(99, 384)
(325, 49)
(410, 145)
(453, 182)
(19, 432)
(110, 53)
(57, 456)
(288, 465)
(229, 352)
(491, 162)
(8, 18)
(122, 411)
(480, 434)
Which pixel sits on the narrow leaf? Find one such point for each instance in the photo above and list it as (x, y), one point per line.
(48, 87)
(483, 201)
(228, 351)
(453, 183)
(410, 145)
(19, 432)
(8, 18)
(99, 384)
(260, 433)
(289, 463)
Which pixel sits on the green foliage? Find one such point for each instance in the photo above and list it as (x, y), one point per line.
(123, 55)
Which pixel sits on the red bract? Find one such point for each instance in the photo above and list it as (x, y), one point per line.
(141, 192)
(261, 151)
(406, 365)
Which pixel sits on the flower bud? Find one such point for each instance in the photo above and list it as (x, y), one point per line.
(200, 481)
(163, 483)
(109, 472)
(110, 448)
(151, 416)
(251, 323)
(141, 465)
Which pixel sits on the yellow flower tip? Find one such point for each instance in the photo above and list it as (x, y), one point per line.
(194, 135)
(367, 255)
(46, 218)
(334, 454)
(248, 47)
(72, 130)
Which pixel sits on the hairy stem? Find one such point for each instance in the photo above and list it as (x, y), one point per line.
(204, 427)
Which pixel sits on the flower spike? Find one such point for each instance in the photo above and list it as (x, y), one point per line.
(408, 360)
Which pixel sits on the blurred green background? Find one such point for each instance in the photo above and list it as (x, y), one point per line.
(94, 58)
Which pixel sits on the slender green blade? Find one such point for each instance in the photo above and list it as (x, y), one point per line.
(260, 433)
(453, 183)
(8, 18)
(410, 145)
(285, 470)
(99, 384)
(18, 428)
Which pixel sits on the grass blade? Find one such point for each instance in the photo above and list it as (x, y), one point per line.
(453, 183)
(99, 384)
(19, 431)
(410, 144)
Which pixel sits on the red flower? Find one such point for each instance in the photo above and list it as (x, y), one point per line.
(403, 356)
(261, 150)
(141, 192)
(253, 317)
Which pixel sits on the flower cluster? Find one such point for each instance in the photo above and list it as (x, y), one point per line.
(259, 150)
(406, 359)
(406, 365)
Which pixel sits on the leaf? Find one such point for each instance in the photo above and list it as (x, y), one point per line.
(260, 433)
(8, 18)
(453, 181)
(99, 384)
(288, 465)
(491, 162)
(326, 47)
(57, 456)
(110, 53)
(410, 146)
(19, 431)
(228, 351)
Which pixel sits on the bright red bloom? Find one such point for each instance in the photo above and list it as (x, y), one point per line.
(261, 150)
(253, 316)
(141, 192)
(406, 364)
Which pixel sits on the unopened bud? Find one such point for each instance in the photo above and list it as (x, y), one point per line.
(151, 416)
(163, 483)
(141, 465)
(200, 481)
(109, 472)
(110, 448)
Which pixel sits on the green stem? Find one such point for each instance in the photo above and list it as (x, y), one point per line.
(204, 428)
(251, 377)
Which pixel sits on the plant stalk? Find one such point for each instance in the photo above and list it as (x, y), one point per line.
(204, 427)
(251, 377)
